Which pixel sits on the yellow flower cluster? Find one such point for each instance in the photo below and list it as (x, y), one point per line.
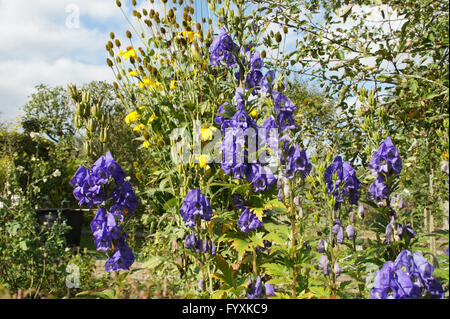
(151, 84)
(131, 53)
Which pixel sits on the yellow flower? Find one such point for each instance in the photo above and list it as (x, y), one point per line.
(131, 53)
(139, 127)
(202, 159)
(146, 144)
(207, 133)
(133, 73)
(152, 118)
(253, 113)
(132, 117)
(190, 35)
(146, 82)
(172, 85)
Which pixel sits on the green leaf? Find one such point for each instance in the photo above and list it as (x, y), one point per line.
(226, 270)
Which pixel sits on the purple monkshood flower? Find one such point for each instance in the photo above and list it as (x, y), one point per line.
(321, 246)
(106, 167)
(268, 81)
(298, 162)
(286, 120)
(261, 177)
(403, 229)
(248, 221)
(345, 178)
(89, 187)
(254, 290)
(336, 225)
(270, 291)
(350, 232)
(223, 49)
(324, 264)
(340, 235)
(122, 258)
(386, 159)
(195, 205)
(337, 269)
(378, 190)
(199, 245)
(282, 103)
(408, 277)
(200, 285)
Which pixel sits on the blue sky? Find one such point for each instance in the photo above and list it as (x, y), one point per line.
(42, 44)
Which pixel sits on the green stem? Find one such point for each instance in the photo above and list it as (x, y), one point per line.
(293, 234)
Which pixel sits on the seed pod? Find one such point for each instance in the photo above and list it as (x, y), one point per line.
(109, 62)
(117, 42)
(78, 122)
(278, 37)
(92, 124)
(79, 109)
(85, 96)
(112, 35)
(118, 3)
(128, 33)
(87, 147)
(103, 135)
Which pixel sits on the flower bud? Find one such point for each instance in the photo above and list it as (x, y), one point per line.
(324, 264)
(350, 232)
(361, 211)
(321, 246)
(340, 235)
(337, 269)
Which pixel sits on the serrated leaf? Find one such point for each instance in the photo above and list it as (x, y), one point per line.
(227, 271)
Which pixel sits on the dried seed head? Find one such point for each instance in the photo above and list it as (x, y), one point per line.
(109, 62)
(133, 2)
(278, 37)
(117, 42)
(263, 54)
(128, 33)
(285, 29)
(152, 13)
(203, 20)
(191, 10)
(210, 21)
(144, 12)
(198, 26)
(163, 31)
(180, 2)
(148, 23)
(116, 86)
(118, 3)
(112, 35)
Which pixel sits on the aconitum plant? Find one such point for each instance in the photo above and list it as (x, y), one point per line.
(255, 290)
(386, 165)
(105, 185)
(410, 276)
(342, 182)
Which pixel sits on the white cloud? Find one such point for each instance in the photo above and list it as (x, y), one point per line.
(18, 79)
(39, 46)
